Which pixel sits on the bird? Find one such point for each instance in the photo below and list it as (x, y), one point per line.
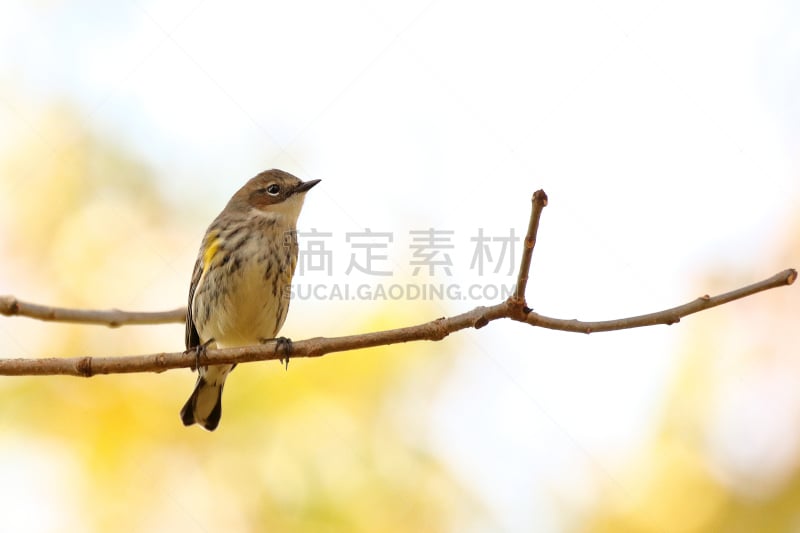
(239, 292)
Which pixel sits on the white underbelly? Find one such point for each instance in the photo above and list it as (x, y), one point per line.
(247, 313)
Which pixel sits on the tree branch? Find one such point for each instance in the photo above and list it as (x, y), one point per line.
(514, 308)
(667, 316)
(10, 306)
(538, 201)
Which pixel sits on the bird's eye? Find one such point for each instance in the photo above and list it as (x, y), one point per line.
(273, 189)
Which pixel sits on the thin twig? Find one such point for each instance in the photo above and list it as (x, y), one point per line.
(11, 306)
(667, 316)
(538, 202)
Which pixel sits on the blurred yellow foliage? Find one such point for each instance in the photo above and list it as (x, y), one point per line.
(331, 445)
(727, 455)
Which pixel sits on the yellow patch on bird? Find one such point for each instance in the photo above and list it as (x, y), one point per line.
(211, 250)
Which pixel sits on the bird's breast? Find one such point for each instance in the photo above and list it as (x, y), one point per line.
(247, 297)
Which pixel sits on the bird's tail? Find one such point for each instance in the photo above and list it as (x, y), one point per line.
(204, 406)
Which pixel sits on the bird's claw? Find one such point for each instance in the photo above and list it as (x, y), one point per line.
(199, 352)
(284, 344)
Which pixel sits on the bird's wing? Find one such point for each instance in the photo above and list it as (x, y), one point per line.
(192, 337)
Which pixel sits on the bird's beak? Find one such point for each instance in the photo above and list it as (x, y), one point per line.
(306, 185)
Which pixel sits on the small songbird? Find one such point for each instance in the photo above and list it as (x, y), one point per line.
(239, 292)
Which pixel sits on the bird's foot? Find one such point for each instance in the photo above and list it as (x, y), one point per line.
(199, 352)
(284, 345)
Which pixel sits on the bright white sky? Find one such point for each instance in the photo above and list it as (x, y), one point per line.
(665, 133)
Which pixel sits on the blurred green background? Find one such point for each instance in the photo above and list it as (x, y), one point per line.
(666, 137)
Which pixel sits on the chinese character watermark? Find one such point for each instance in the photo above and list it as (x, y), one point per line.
(363, 241)
(426, 245)
(314, 249)
(483, 251)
